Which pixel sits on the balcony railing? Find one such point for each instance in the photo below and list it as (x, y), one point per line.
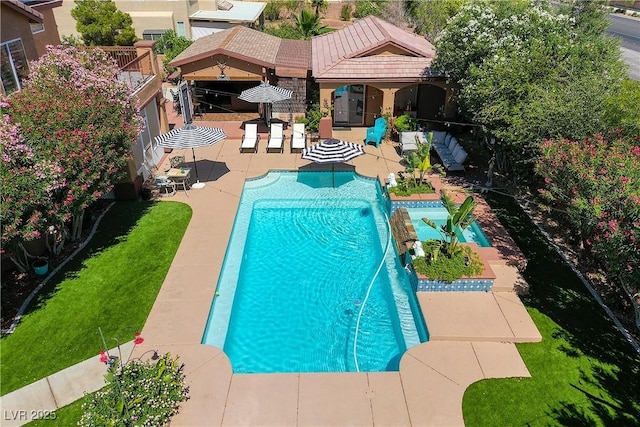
(138, 71)
(135, 70)
(123, 55)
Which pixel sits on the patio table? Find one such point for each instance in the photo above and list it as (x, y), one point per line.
(181, 176)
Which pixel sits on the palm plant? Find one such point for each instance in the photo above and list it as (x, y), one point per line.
(458, 220)
(319, 5)
(309, 25)
(419, 160)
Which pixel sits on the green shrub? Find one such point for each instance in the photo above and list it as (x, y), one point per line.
(140, 393)
(312, 118)
(405, 123)
(365, 8)
(438, 265)
(272, 10)
(407, 187)
(345, 12)
(292, 5)
(285, 30)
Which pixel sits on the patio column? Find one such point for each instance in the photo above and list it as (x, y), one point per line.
(388, 98)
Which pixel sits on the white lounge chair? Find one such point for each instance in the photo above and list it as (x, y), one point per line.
(250, 138)
(276, 137)
(298, 137)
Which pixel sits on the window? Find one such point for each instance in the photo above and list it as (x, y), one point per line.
(180, 29)
(348, 105)
(152, 34)
(14, 66)
(37, 27)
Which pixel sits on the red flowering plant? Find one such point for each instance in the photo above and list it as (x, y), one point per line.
(138, 392)
(597, 182)
(28, 185)
(74, 112)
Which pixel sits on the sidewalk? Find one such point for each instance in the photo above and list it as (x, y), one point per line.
(42, 398)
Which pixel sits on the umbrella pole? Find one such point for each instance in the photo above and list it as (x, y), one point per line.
(197, 184)
(333, 175)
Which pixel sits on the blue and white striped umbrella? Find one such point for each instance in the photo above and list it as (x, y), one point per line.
(332, 151)
(191, 136)
(265, 93)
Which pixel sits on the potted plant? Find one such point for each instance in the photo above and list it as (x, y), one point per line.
(40, 266)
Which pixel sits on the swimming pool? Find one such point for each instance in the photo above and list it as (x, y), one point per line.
(473, 233)
(301, 258)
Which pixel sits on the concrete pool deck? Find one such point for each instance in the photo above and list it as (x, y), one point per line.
(472, 334)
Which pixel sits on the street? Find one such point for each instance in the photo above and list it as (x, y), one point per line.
(627, 29)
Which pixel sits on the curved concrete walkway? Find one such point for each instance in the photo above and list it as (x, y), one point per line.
(472, 334)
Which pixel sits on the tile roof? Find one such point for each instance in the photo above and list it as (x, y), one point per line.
(294, 53)
(360, 39)
(41, 5)
(255, 46)
(387, 67)
(24, 9)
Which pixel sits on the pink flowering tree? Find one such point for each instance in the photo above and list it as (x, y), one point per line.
(28, 185)
(74, 112)
(597, 182)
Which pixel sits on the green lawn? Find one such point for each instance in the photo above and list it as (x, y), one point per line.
(66, 416)
(111, 284)
(584, 372)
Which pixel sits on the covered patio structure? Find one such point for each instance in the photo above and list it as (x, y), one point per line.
(371, 69)
(222, 65)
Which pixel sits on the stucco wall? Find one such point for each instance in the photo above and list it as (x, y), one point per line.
(381, 97)
(66, 23)
(16, 26)
(50, 34)
(146, 15)
(208, 69)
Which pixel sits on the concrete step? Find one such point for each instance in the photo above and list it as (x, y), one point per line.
(507, 279)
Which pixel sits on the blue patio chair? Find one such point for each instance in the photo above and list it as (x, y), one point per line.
(377, 132)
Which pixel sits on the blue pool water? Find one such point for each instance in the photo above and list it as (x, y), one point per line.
(473, 233)
(301, 257)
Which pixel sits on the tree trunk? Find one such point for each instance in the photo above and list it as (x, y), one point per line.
(21, 258)
(56, 237)
(76, 225)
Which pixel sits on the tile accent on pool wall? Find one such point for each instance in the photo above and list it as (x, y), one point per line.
(426, 285)
(395, 204)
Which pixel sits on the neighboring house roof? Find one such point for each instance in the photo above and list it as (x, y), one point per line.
(42, 4)
(27, 11)
(240, 11)
(251, 45)
(350, 52)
